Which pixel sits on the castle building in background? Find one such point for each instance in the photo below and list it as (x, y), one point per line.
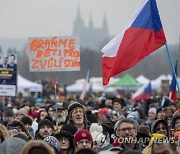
(91, 37)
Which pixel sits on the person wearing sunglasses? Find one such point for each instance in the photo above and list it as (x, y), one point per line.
(160, 126)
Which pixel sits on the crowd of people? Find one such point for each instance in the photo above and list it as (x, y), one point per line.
(99, 124)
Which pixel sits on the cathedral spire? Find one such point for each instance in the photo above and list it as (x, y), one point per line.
(105, 25)
(79, 13)
(91, 25)
(78, 23)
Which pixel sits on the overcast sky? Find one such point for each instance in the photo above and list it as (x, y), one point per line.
(40, 18)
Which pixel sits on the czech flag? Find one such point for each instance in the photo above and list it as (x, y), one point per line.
(143, 93)
(143, 35)
(172, 88)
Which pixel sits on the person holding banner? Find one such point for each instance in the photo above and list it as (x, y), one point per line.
(8, 70)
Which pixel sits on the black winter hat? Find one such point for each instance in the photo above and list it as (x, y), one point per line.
(67, 131)
(16, 123)
(89, 103)
(92, 118)
(45, 122)
(8, 112)
(70, 128)
(74, 106)
(160, 109)
(120, 101)
(26, 120)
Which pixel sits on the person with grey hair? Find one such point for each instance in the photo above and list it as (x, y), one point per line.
(77, 116)
(151, 115)
(127, 134)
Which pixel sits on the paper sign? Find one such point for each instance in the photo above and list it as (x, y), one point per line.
(54, 54)
(7, 90)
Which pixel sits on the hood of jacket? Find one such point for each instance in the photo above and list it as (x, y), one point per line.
(176, 116)
(11, 145)
(156, 122)
(36, 144)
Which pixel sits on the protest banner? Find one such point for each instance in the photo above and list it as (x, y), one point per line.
(54, 54)
(8, 74)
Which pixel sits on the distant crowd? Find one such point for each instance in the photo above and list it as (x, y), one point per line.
(99, 124)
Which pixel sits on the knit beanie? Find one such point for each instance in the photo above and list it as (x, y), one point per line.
(82, 134)
(69, 128)
(73, 107)
(22, 111)
(52, 141)
(120, 101)
(152, 110)
(26, 120)
(8, 112)
(45, 122)
(96, 131)
(160, 109)
(67, 131)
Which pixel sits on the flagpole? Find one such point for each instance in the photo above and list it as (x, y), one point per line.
(179, 56)
(86, 81)
(172, 66)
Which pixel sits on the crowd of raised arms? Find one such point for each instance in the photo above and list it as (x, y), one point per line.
(103, 124)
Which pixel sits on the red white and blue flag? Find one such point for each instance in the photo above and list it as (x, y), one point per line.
(143, 35)
(172, 88)
(143, 93)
